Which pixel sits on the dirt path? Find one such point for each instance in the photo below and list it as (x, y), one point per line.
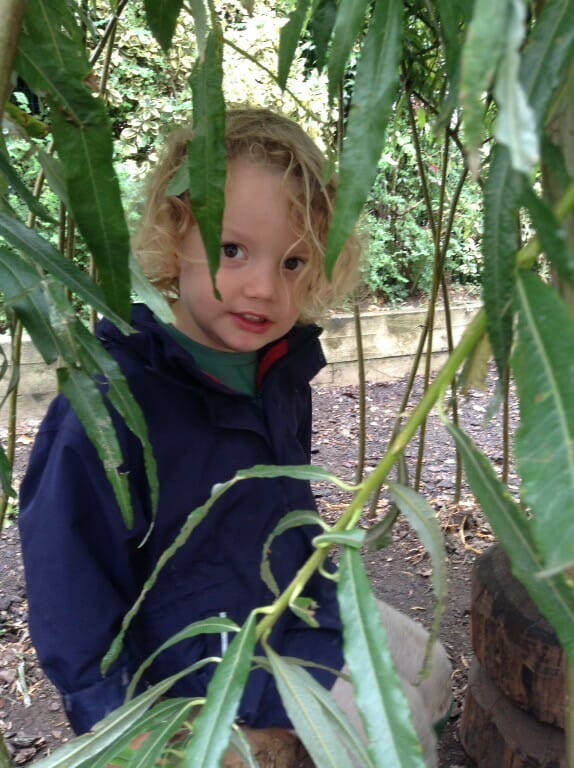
(31, 716)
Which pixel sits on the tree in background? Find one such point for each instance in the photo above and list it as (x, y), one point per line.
(495, 79)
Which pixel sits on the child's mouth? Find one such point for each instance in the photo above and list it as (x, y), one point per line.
(252, 322)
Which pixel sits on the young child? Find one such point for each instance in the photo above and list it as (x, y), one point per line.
(225, 389)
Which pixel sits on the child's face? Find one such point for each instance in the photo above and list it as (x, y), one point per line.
(261, 259)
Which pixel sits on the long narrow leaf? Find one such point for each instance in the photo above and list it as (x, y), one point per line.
(375, 89)
(39, 251)
(380, 698)
(84, 750)
(214, 625)
(14, 180)
(212, 728)
(288, 39)
(545, 59)
(552, 595)
(307, 714)
(348, 26)
(423, 519)
(162, 16)
(207, 158)
(544, 369)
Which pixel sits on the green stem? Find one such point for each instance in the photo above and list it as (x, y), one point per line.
(352, 514)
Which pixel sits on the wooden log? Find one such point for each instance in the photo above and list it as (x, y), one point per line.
(516, 646)
(497, 734)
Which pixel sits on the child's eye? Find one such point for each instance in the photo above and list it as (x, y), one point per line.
(294, 264)
(232, 252)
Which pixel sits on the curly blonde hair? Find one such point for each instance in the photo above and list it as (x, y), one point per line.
(275, 142)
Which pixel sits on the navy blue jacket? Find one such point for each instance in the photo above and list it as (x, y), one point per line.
(85, 568)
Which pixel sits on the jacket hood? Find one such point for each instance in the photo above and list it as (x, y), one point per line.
(152, 345)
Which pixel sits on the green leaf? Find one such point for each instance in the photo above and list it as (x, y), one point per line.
(148, 293)
(544, 62)
(551, 234)
(483, 49)
(211, 731)
(384, 709)
(295, 471)
(241, 746)
(375, 90)
(215, 625)
(159, 735)
(5, 475)
(552, 595)
(423, 520)
(291, 520)
(160, 718)
(85, 398)
(349, 25)
(22, 288)
(543, 364)
(503, 192)
(98, 362)
(307, 713)
(82, 751)
(321, 24)
(207, 156)
(52, 59)
(288, 40)
(515, 125)
(162, 16)
(22, 190)
(197, 8)
(354, 538)
(42, 253)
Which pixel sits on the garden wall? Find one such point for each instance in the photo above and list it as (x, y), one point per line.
(390, 339)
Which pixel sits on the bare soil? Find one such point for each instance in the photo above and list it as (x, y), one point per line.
(31, 716)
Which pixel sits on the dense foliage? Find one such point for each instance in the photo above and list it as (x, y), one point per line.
(503, 67)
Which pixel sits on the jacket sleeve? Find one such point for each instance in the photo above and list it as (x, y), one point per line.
(79, 566)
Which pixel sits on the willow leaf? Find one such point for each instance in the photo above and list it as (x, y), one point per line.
(82, 752)
(552, 595)
(159, 736)
(503, 192)
(16, 183)
(348, 26)
(162, 16)
(481, 54)
(39, 251)
(295, 471)
(307, 714)
(199, 13)
(423, 520)
(239, 743)
(215, 625)
(291, 520)
(157, 717)
(23, 293)
(98, 362)
(544, 62)
(373, 95)
(380, 698)
(543, 364)
(551, 234)
(212, 727)
(207, 156)
(289, 38)
(86, 401)
(5, 475)
(321, 26)
(515, 125)
(53, 60)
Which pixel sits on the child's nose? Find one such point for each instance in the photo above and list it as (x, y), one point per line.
(261, 282)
